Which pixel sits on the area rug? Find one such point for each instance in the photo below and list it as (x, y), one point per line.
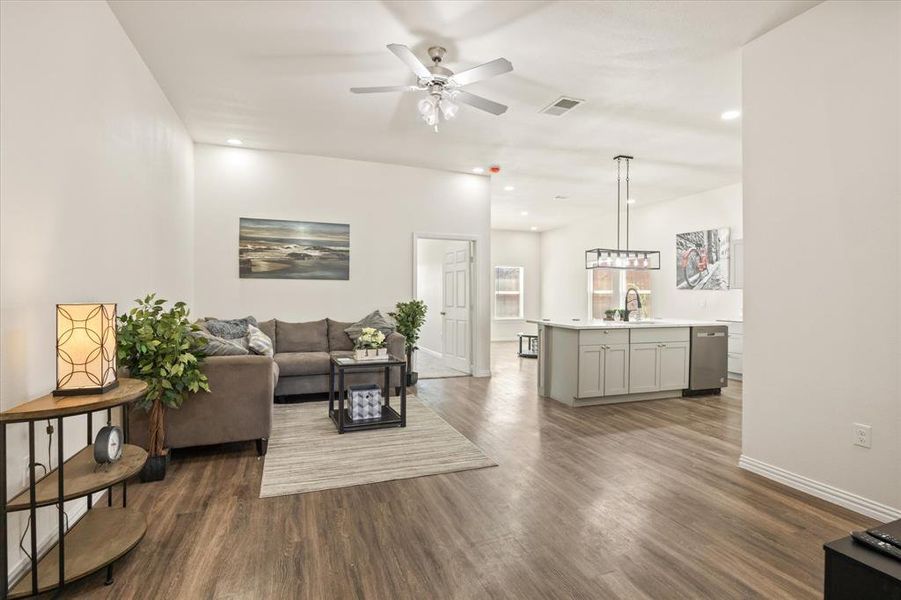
(307, 454)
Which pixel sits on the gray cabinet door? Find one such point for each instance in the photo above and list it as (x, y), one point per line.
(674, 361)
(616, 369)
(591, 371)
(644, 368)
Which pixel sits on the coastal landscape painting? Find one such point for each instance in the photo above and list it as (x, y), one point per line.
(275, 249)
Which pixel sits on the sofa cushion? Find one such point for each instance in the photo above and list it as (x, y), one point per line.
(229, 329)
(268, 327)
(301, 337)
(337, 337)
(294, 364)
(258, 342)
(217, 346)
(376, 320)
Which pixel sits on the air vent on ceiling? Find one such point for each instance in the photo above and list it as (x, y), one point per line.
(561, 105)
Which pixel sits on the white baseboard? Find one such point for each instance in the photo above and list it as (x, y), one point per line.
(17, 569)
(429, 352)
(858, 504)
(481, 373)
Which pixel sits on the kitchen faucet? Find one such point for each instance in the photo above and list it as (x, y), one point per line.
(626, 304)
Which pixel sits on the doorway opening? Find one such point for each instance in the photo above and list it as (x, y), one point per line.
(443, 281)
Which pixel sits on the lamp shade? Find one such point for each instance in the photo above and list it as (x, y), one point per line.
(85, 349)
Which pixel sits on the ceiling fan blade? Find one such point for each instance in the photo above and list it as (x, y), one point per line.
(497, 66)
(384, 88)
(406, 55)
(485, 104)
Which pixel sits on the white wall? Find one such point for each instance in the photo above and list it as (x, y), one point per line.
(95, 197)
(384, 205)
(564, 283)
(430, 287)
(822, 194)
(517, 249)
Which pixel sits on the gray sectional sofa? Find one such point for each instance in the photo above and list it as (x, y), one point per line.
(303, 352)
(239, 405)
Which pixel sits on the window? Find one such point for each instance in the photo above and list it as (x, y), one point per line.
(508, 292)
(603, 294)
(641, 281)
(608, 290)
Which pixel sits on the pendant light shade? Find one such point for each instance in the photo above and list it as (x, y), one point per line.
(619, 257)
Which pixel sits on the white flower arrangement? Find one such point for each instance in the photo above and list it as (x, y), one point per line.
(371, 337)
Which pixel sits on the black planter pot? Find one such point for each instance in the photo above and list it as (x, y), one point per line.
(155, 468)
(412, 378)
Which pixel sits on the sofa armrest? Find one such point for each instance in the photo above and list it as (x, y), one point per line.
(397, 345)
(221, 372)
(238, 406)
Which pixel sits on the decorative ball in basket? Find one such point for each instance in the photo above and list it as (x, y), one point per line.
(370, 345)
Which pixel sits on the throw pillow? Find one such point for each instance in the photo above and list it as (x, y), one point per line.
(230, 329)
(259, 342)
(376, 320)
(217, 346)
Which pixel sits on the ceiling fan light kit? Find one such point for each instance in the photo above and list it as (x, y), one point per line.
(619, 257)
(443, 85)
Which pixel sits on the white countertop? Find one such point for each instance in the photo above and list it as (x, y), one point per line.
(649, 323)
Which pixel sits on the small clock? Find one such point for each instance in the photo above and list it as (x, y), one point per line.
(108, 445)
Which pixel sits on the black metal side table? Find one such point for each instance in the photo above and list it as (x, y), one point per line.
(390, 417)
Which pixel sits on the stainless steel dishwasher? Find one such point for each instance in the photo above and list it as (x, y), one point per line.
(709, 355)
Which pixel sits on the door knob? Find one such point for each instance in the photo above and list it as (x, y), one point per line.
(443, 313)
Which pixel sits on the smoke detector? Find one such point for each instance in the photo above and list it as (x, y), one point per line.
(561, 106)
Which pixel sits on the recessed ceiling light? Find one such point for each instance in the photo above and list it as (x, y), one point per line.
(630, 201)
(533, 228)
(730, 115)
(478, 170)
(525, 213)
(234, 142)
(509, 188)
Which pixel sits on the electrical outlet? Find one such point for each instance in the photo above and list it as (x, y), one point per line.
(863, 435)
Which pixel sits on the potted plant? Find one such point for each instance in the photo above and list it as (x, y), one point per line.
(410, 317)
(157, 347)
(370, 345)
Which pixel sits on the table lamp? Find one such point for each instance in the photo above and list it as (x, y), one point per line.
(85, 349)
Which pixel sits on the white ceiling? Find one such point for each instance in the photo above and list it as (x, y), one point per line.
(655, 77)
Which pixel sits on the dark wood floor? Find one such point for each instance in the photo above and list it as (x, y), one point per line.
(639, 500)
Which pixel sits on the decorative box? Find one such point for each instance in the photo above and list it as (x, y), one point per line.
(365, 402)
(371, 353)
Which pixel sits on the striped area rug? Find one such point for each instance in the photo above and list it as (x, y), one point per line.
(307, 454)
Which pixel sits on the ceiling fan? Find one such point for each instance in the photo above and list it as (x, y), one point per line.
(443, 85)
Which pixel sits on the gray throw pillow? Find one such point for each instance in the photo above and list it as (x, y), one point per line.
(376, 320)
(230, 329)
(259, 342)
(217, 346)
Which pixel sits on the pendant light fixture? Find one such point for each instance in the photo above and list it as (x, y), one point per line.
(622, 258)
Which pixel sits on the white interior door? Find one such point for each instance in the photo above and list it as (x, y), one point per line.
(455, 309)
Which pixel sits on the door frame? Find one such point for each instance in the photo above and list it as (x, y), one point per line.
(475, 245)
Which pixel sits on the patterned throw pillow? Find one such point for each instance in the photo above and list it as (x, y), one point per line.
(259, 342)
(376, 320)
(217, 346)
(230, 329)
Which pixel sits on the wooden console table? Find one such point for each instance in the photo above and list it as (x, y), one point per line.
(103, 535)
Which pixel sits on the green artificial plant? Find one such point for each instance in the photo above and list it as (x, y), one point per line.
(157, 347)
(410, 317)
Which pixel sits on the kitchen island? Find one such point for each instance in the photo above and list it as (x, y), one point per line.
(605, 362)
